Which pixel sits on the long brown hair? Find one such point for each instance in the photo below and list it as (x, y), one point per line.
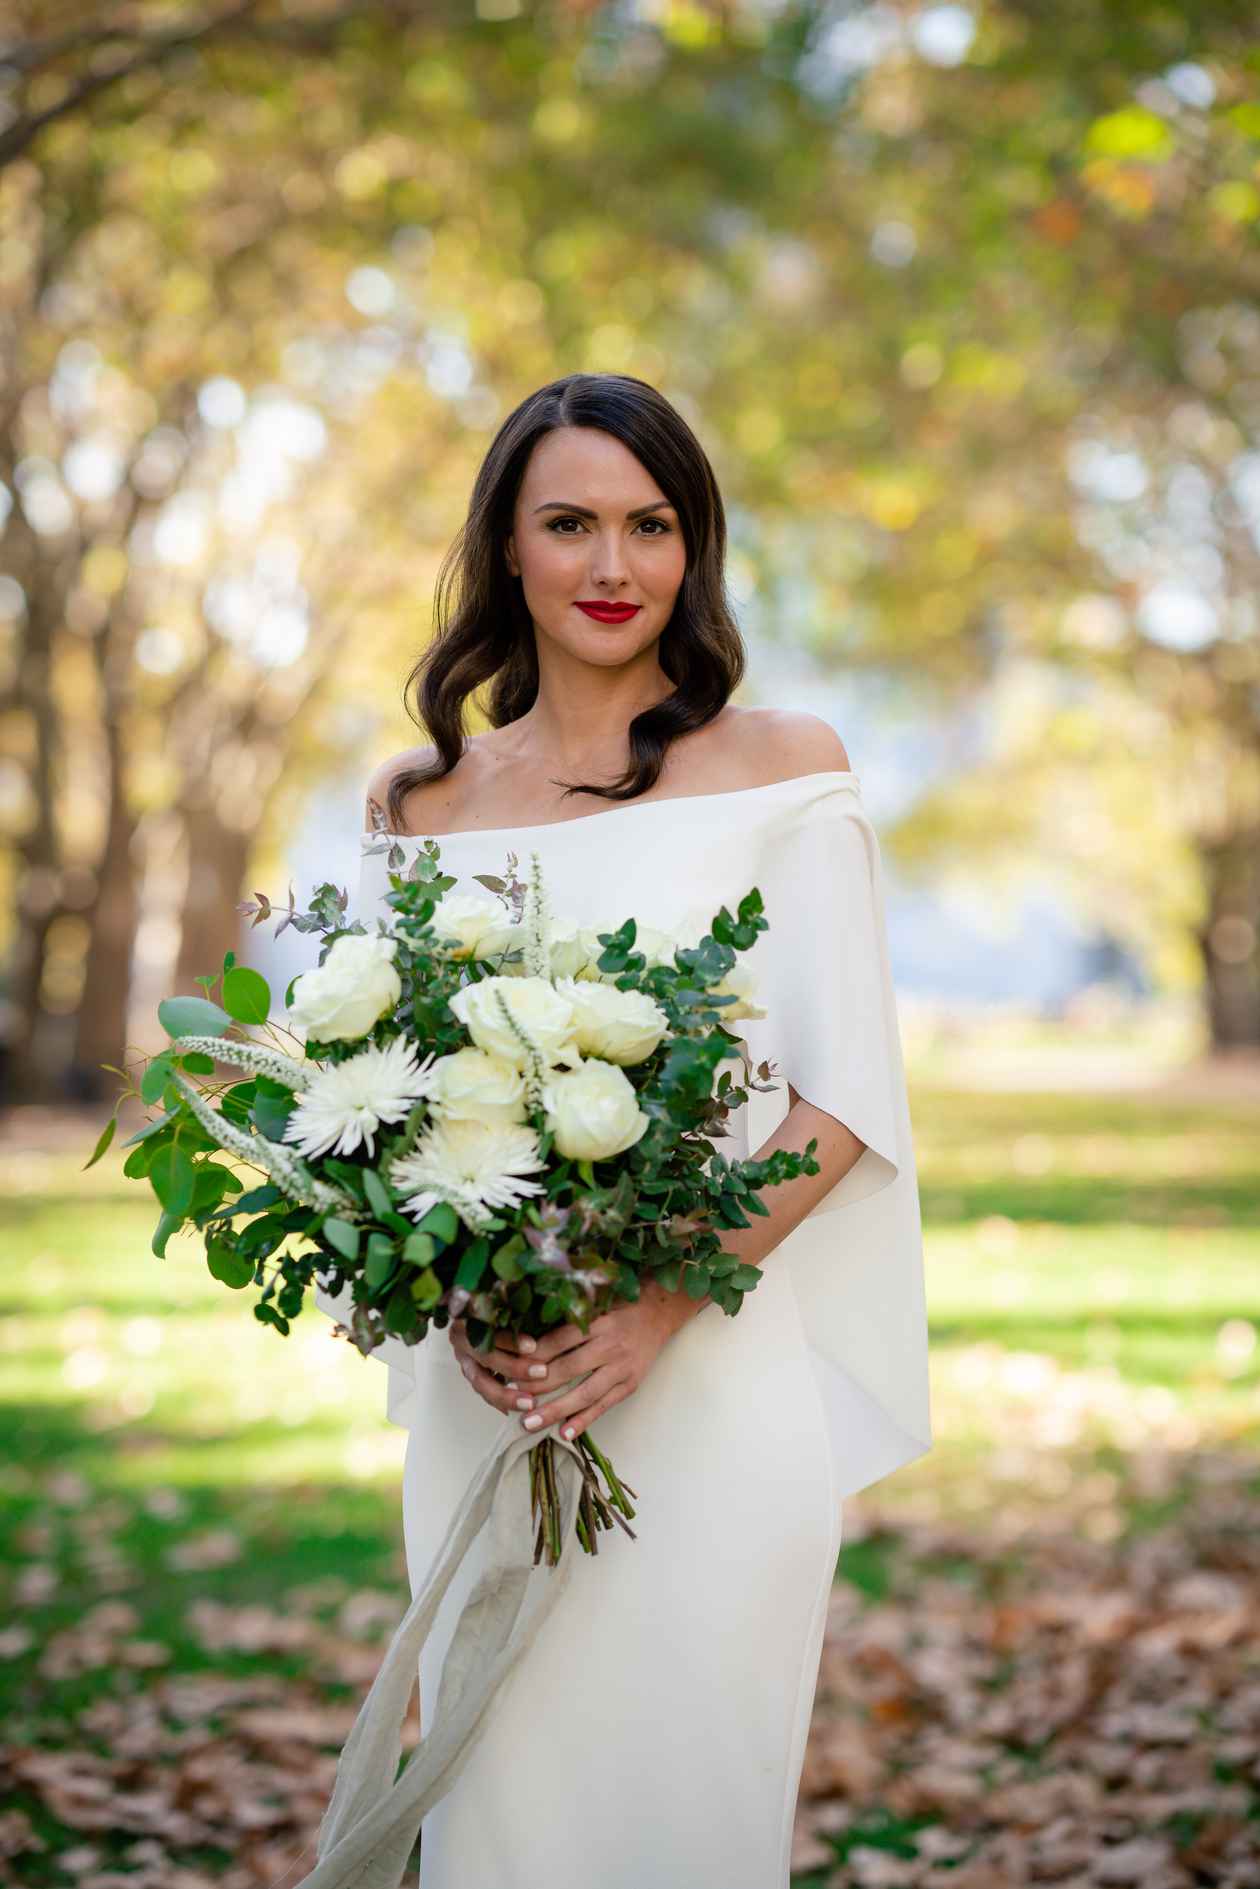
(483, 632)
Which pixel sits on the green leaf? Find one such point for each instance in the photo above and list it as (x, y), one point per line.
(273, 1105)
(342, 1236)
(151, 1128)
(233, 1268)
(211, 1180)
(155, 1078)
(472, 1265)
(426, 1288)
(380, 1259)
(402, 1314)
(441, 1221)
(192, 1016)
(168, 1223)
(268, 1315)
(246, 994)
(195, 1062)
(419, 1248)
(670, 1274)
(696, 1281)
(746, 1276)
(172, 1178)
(257, 1198)
(505, 1262)
(103, 1141)
(378, 1196)
(587, 1171)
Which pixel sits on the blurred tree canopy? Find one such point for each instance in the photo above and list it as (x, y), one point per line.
(962, 302)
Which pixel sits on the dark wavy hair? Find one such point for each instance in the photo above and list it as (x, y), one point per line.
(483, 632)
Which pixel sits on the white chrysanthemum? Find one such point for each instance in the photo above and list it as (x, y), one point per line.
(342, 1107)
(474, 1166)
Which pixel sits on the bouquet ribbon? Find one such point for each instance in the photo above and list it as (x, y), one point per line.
(370, 1826)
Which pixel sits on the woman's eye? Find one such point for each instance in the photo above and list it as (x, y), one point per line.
(661, 531)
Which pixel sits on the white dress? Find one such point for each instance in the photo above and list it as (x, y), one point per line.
(653, 1734)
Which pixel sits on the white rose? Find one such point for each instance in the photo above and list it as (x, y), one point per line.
(503, 935)
(543, 1014)
(570, 947)
(345, 995)
(622, 1026)
(462, 921)
(469, 1085)
(593, 1111)
(741, 984)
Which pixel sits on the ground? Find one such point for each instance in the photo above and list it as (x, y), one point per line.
(1043, 1660)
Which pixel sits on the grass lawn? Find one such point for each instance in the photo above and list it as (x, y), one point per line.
(1045, 1632)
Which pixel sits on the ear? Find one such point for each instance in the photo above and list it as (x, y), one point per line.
(509, 552)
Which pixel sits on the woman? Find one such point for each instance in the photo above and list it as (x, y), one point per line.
(654, 1731)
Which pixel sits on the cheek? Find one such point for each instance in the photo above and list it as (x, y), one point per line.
(545, 562)
(665, 571)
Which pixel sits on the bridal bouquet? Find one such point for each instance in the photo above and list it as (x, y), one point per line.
(477, 1110)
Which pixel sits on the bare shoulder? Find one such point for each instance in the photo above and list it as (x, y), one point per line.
(376, 794)
(431, 806)
(780, 743)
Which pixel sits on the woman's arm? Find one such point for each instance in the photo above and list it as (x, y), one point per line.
(838, 1150)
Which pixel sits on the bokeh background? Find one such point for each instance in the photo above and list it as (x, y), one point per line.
(962, 299)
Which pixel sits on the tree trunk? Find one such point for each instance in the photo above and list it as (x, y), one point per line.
(1230, 941)
(210, 925)
(101, 1030)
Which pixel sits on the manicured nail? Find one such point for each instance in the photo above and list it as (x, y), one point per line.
(538, 1370)
(567, 1433)
(529, 1344)
(524, 1403)
(532, 1423)
(511, 1385)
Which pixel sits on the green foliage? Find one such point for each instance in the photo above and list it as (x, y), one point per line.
(246, 995)
(192, 1016)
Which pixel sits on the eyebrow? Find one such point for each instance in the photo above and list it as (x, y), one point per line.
(583, 511)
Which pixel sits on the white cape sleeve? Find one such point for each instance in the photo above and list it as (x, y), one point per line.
(824, 977)
(399, 1359)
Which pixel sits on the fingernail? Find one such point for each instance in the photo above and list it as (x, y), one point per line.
(532, 1423)
(512, 1386)
(524, 1403)
(529, 1344)
(567, 1432)
(538, 1370)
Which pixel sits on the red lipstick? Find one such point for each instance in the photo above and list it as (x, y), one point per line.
(611, 612)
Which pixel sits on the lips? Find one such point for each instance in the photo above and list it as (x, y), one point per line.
(611, 613)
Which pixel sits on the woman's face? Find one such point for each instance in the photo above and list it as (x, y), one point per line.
(575, 539)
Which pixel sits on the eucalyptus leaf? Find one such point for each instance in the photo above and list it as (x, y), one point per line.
(168, 1223)
(172, 1177)
(155, 1078)
(441, 1220)
(342, 1236)
(246, 994)
(378, 1195)
(103, 1141)
(426, 1289)
(233, 1268)
(192, 1016)
(380, 1259)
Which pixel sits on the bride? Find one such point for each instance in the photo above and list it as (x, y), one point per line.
(652, 1736)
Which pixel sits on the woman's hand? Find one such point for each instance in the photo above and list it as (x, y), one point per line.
(618, 1351)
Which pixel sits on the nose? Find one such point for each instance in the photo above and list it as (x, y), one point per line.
(608, 563)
